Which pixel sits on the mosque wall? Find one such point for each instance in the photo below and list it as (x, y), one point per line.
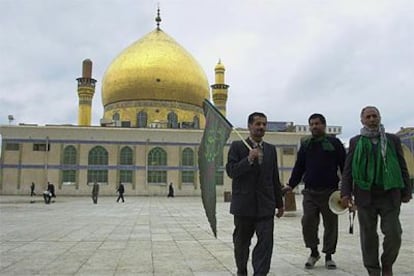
(156, 111)
(25, 158)
(409, 159)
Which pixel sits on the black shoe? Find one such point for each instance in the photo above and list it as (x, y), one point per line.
(311, 261)
(330, 264)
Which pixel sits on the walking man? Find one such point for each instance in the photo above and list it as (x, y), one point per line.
(376, 175)
(318, 160)
(120, 190)
(51, 189)
(32, 189)
(256, 194)
(95, 192)
(170, 190)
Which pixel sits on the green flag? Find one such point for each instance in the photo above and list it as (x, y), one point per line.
(210, 154)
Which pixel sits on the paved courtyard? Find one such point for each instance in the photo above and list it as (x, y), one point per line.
(157, 236)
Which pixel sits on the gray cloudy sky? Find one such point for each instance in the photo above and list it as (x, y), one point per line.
(287, 58)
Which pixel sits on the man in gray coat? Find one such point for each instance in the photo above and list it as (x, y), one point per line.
(376, 174)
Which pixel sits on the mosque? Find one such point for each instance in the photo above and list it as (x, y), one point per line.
(149, 134)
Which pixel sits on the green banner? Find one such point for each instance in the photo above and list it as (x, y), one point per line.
(210, 156)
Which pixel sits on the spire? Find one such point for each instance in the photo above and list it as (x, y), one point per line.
(158, 18)
(86, 90)
(220, 88)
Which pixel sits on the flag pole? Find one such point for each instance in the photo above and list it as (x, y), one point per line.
(241, 137)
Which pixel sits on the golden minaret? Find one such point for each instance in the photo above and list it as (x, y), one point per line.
(86, 89)
(219, 89)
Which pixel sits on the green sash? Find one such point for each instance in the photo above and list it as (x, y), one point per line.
(326, 144)
(369, 166)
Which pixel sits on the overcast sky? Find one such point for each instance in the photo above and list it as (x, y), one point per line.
(286, 58)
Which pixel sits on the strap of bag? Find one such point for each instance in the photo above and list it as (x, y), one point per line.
(351, 215)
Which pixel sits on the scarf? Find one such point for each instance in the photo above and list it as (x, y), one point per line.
(325, 143)
(380, 166)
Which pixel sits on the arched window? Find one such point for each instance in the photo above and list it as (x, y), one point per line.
(98, 162)
(196, 122)
(98, 156)
(188, 157)
(157, 160)
(69, 155)
(69, 158)
(116, 117)
(142, 119)
(126, 158)
(172, 120)
(187, 161)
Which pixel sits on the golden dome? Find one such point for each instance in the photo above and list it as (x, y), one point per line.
(155, 68)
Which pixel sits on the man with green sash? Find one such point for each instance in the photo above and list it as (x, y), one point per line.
(376, 174)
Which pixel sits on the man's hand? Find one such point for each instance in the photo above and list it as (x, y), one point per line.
(286, 189)
(280, 212)
(405, 199)
(253, 154)
(346, 202)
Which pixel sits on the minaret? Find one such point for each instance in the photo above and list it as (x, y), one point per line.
(86, 89)
(219, 89)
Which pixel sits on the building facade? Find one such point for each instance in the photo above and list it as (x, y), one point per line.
(407, 140)
(144, 160)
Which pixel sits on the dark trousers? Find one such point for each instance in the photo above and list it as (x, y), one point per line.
(121, 196)
(382, 206)
(244, 229)
(315, 203)
(95, 199)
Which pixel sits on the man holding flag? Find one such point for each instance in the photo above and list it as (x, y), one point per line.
(252, 165)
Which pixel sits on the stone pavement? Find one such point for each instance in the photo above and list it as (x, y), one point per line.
(157, 236)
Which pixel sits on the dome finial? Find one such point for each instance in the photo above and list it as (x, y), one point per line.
(158, 18)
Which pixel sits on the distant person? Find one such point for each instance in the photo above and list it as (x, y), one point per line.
(256, 196)
(32, 189)
(318, 161)
(95, 192)
(51, 189)
(376, 174)
(170, 190)
(48, 194)
(120, 190)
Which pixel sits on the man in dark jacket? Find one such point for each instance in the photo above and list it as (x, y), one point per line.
(120, 190)
(51, 189)
(32, 189)
(95, 192)
(376, 174)
(252, 165)
(319, 158)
